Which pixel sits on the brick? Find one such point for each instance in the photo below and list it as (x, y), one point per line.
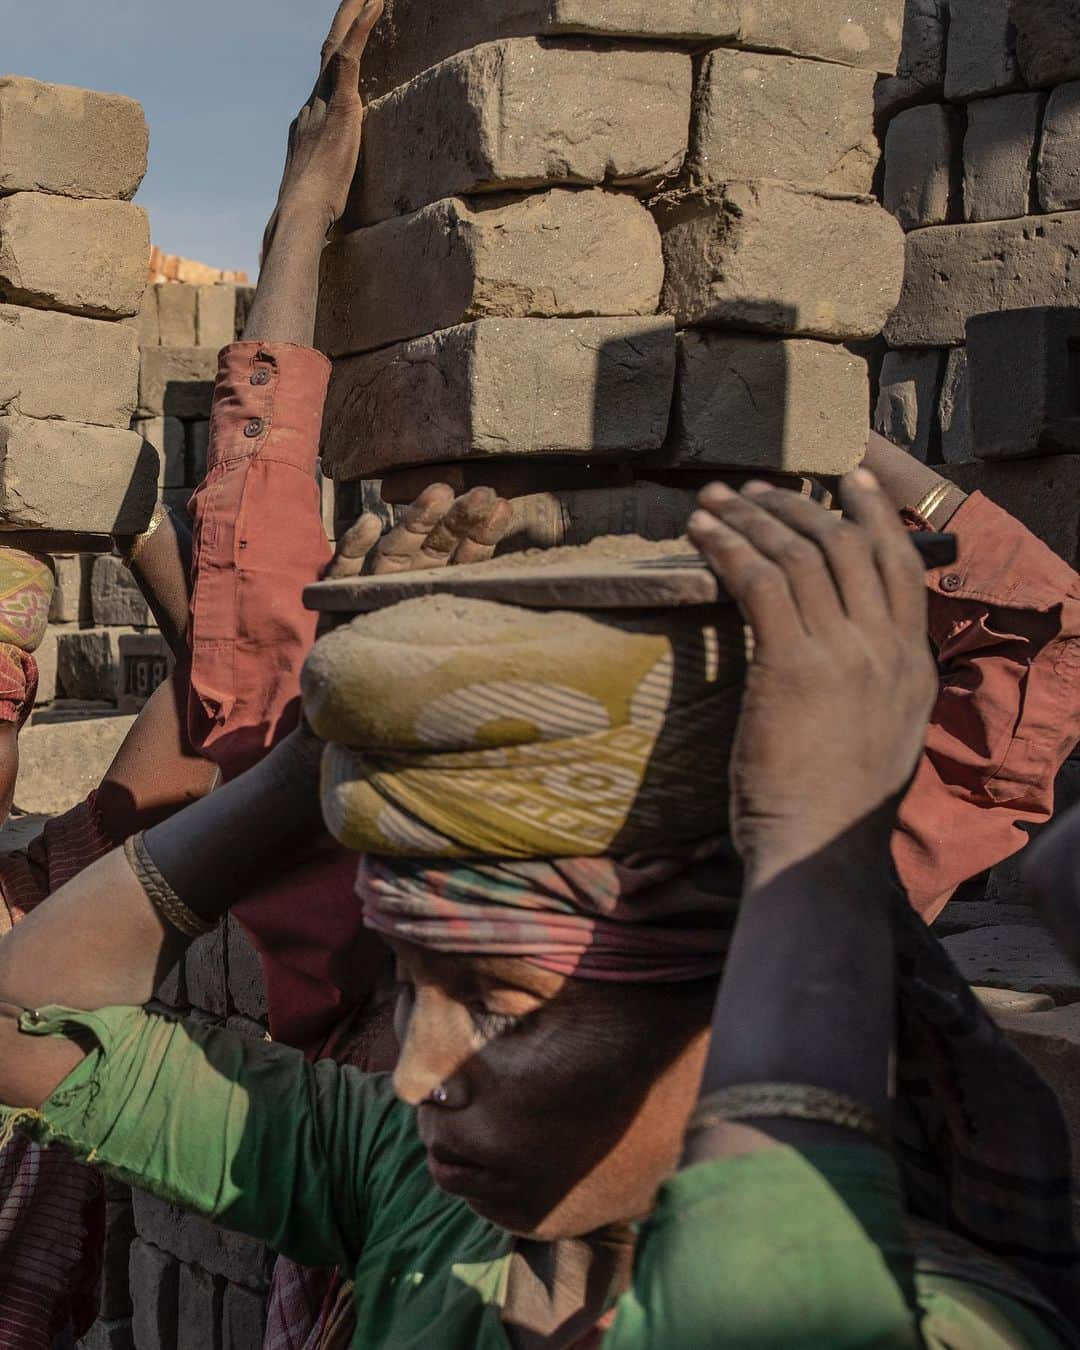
(999, 156)
(67, 602)
(1006, 1003)
(553, 254)
(920, 71)
(414, 35)
(155, 1288)
(1015, 956)
(216, 315)
(954, 409)
(920, 158)
(74, 142)
(200, 1306)
(88, 662)
(177, 381)
(146, 662)
(798, 407)
(69, 477)
(1026, 407)
(1050, 1041)
(193, 1240)
(594, 387)
(147, 328)
(1047, 40)
(760, 116)
(115, 598)
(46, 658)
(57, 365)
(954, 272)
(205, 975)
(85, 257)
(176, 315)
(243, 1318)
(981, 58)
(770, 258)
(245, 296)
(1059, 153)
(247, 988)
(109, 1335)
(167, 436)
(522, 114)
(907, 405)
(1043, 494)
(964, 916)
(198, 438)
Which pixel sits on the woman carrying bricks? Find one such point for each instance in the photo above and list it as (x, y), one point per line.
(563, 1039)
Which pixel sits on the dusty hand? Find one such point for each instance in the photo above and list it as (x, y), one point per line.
(841, 682)
(436, 531)
(324, 141)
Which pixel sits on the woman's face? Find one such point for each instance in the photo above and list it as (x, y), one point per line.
(566, 1100)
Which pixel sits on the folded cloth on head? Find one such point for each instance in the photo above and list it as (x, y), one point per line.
(513, 733)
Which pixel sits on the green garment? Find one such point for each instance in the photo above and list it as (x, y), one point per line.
(323, 1164)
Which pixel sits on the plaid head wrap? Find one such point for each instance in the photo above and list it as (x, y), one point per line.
(26, 592)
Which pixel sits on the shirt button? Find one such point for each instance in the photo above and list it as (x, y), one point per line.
(261, 376)
(255, 428)
(952, 581)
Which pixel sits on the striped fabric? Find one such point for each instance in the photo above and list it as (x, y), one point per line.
(52, 1209)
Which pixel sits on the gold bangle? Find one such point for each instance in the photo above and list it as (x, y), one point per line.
(791, 1101)
(934, 498)
(130, 555)
(160, 894)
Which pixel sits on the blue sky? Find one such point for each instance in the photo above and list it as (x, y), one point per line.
(220, 82)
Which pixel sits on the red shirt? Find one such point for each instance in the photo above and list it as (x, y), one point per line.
(1005, 622)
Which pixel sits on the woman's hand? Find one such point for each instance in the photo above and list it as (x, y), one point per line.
(438, 530)
(324, 141)
(841, 682)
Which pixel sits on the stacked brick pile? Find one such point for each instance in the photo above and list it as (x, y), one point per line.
(102, 645)
(73, 251)
(171, 267)
(982, 168)
(596, 247)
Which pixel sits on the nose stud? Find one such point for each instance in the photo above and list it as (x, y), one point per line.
(439, 1096)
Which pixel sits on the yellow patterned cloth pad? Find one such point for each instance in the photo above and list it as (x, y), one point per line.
(464, 728)
(26, 592)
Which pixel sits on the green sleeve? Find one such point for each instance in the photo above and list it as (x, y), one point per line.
(244, 1132)
(785, 1250)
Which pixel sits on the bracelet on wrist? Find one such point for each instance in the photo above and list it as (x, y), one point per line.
(786, 1101)
(160, 894)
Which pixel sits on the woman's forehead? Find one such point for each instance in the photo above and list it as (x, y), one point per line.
(456, 972)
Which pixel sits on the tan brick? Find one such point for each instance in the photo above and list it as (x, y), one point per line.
(1047, 40)
(908, 399)
(1059, 156)
(774, 259)
(146, 321)
(46, 657)
(1043, 494)
(956, 271)
(502, 387)
(216, 315)
(86, 257)
(115, 597)
(981, 56)
(999, 156)
(69, 477)
(415, 34)
(921, 150)
(796, 406)
(176, 315)
(67, 602)
(759, 116)
(57, 365)
(177, 381)
(166, 435)
(522, 113)
(554, 254)
(74, 142)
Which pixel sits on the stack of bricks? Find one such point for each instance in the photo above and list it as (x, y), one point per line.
(73, 254)
(982, 168)
(102, 644)
(598, 250)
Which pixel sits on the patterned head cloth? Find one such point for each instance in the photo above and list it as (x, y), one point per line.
(518, 734)
(26, 592)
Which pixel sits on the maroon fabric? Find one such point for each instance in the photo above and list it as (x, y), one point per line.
(52, 1209)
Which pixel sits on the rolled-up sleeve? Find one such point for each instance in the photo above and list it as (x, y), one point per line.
(1005, 622)
(259, 540)
(241, 1131)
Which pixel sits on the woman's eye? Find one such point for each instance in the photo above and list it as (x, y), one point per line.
(491, 1024)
